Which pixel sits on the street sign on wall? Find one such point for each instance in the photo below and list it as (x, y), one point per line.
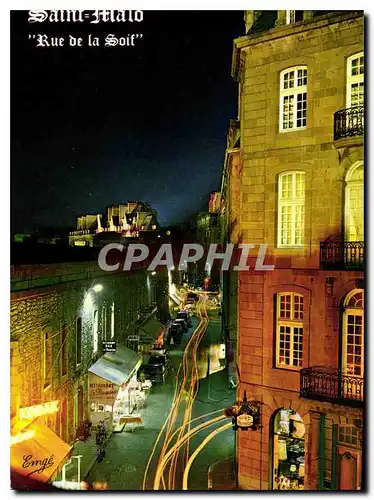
(109, 346)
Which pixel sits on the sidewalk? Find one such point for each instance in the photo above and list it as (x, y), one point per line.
(127, 453)
(222, 475)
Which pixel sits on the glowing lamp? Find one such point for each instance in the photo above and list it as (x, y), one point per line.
(97, 288)
(31, 412)
(22, 436)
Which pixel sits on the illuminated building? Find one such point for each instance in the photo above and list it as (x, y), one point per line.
(60, 317)
(300, 346)
(128, 220)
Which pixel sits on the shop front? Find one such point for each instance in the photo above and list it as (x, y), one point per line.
(36, 452)
(288, 451)
(111, 386)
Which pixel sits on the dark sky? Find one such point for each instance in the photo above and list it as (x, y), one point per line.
(95, 126)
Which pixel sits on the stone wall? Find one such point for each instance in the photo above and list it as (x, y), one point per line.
(50, 299)
(323, 46)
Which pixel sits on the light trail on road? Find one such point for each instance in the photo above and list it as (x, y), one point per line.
(184, 396)
(202, 445)
(175, 409)
(178, 444)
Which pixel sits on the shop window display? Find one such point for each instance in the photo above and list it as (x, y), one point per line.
(288, 451)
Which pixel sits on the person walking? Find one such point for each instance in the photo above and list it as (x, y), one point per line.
(101, 440)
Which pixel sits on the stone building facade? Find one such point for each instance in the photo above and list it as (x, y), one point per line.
(60, 314)
(300, 345)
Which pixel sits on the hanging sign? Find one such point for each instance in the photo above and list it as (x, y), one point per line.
(109, 346)
(245, 414)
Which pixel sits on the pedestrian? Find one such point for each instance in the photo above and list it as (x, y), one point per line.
(100, 440)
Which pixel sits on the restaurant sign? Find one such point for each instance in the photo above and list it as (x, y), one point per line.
(109, 346)
(245, 414)
(100, 391)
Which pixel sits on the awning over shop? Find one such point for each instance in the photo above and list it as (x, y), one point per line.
(40, 456)
(117, 367)
(150, 331)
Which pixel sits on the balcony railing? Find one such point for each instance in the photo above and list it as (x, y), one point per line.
(349, 122)
(347, 255)
(327, 384)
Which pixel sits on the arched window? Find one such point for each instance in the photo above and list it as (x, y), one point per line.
(355, 80)
(291, 208)
(354, 203)
(288, 433)
(290, 329)
(293, 98)
(353, 337)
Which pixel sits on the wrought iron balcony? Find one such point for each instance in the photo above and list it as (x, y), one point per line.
(348, 255)
(329, 384)
(349, 122)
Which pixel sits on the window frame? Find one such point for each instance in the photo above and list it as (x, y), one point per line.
(351, 183)
(47, 370)
(294, 91)
(78, 340)
(64, 351)
(112, 321)
(293, 203)
(95, 331)
(356, 434)
(356, 311)
(353, 79)
(292, 323)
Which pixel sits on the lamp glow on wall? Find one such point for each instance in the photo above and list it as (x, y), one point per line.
(88, 300)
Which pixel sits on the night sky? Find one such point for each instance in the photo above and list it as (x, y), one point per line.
(95, 126)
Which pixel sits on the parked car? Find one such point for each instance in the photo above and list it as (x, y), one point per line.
(183, 323)
(185, 315)
(175, 333)
(157, 368)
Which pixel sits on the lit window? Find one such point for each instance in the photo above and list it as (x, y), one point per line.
(112, 322)
(291, 207)
(95, 331)
(355, 80)
(104, 322)
(353, 339)
(294, 16)
(290, 329)
(47, 364)
(354, 203)
(293, 98)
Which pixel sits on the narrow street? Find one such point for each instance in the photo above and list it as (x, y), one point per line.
(154, 457)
